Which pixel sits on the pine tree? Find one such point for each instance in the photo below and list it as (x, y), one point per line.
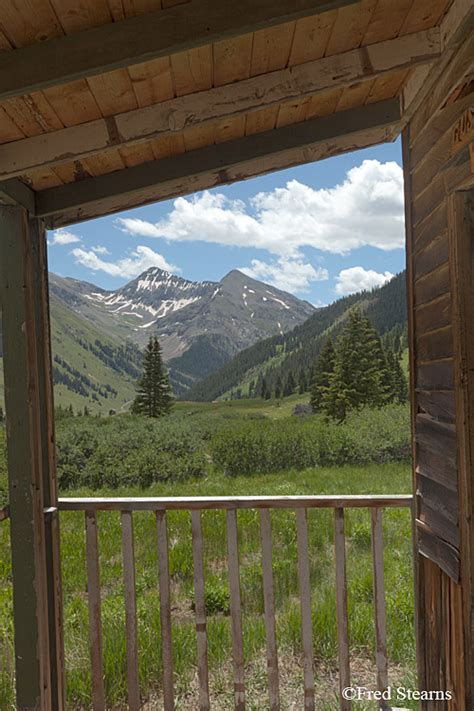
(263, 389)
(322, 370)
(278, 387)
(302, 383)
(153, 397)
(290, 385)
(360, 375)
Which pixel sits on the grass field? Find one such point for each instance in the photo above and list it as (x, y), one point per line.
(388, 478)
(187, 455)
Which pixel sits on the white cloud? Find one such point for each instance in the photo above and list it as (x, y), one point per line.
(140, 259)
(99, 249)
(291, 275)
(366, 209)
(62, 237)
(349, 281)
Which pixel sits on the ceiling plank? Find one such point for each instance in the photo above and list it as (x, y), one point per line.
(214, 165)
(142, 38)
(221, 103)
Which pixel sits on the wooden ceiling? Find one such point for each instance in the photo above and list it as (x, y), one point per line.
(340, 63)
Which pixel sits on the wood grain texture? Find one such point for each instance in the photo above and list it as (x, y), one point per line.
(205, 105)
(131, 637)
(95, 617)
(232, 502)
(143, 38)
(341, 607)
(165, 610)
(235, 610)
(305, 604)
(201, 623)
(269, 607)
(380, 616)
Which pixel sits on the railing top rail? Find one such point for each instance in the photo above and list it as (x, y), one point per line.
(234, 502)
(4, 512)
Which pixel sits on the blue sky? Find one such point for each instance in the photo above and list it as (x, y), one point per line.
(320, 231)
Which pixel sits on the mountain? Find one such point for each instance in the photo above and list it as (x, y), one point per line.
(200, 325)
(297, 350)
(98, 335)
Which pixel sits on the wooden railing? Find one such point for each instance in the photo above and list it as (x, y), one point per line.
(160, 507)
(4, 513)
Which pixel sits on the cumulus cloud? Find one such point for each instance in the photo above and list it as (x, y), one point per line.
(99, 249)
(138, 261)
(62, 237)
(366, 209)
(349, 281)
(291, 275)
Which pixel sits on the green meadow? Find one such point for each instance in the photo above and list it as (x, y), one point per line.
(224, 449)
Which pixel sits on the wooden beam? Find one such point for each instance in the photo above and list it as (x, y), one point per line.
(143, 38)
(214, 165)
(32, 485)
(455, 27)
(15, 192)
(220, 103)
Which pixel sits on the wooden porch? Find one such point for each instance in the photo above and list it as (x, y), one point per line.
(107, 105)
(300, 507)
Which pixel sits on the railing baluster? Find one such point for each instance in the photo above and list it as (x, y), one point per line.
(341, 599)
(236, 610)
(305, 600)
(379, 601)
(130, 611)
(269, 603)
(165, 610)
(95, 621)
(201, 630)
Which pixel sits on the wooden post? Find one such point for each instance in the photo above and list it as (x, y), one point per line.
(31, 464)
(460, 227)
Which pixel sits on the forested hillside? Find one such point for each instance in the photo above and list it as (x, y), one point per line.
(296, 351)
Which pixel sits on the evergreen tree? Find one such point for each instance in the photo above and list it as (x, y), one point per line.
(322, 370)
(290, 385)
(360, 375)
(302, 383)
(278, 388)
(263, 389)
(153, 397)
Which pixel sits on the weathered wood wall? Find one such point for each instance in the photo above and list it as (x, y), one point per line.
(437, 165)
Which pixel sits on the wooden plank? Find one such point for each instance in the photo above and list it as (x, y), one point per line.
(220, 158)
(235, 610)
(145, 503)
(439, 523)
(432, 256)
(131, 638)
(461, 226)
(4, 513)
(95, 618)
(200, 606)
(269, 606)
(305, 603)
(435, 549)
(143, 38)
(36, 598)
(341, 605)
(439, 404)
(435, 376)
(435, 345)
(433, 315)
(165, 610)
(433, 285)
(430, 465)
(204, 106)
(380, 615)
